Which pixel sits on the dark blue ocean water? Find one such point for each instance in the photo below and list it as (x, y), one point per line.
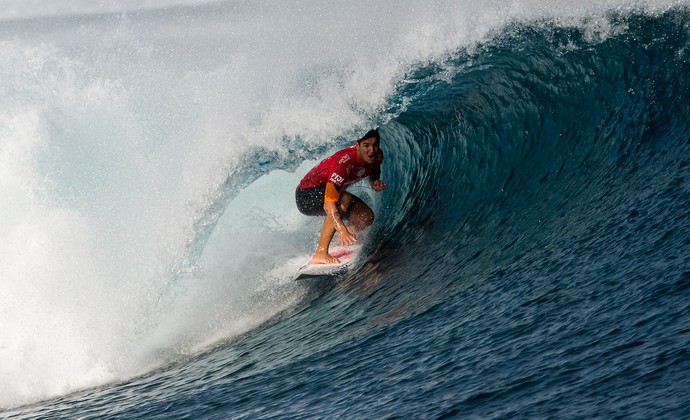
(529, 259)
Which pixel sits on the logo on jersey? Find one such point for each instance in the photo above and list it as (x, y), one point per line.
(337, 179)
(361, 172)
(344, 159)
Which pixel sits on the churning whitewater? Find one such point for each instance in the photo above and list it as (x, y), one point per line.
(527, 260)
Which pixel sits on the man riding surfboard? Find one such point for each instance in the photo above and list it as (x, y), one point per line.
(322, 193)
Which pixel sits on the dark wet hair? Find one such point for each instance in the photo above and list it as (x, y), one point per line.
(371, 133)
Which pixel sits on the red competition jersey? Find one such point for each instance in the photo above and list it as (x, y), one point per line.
(342, 169)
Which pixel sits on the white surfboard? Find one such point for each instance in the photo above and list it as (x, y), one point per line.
(346, 255)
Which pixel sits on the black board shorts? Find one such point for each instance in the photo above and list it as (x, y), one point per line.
(310, 202)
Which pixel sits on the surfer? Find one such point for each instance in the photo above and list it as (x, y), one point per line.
(322, 193)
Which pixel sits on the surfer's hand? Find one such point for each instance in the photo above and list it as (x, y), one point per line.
(346, 238)
(378, 185)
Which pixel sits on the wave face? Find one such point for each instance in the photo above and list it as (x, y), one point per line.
(527, 260)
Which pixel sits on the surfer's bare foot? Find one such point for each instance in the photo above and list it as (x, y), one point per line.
(323, 258)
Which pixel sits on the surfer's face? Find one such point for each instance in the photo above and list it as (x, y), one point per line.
(367, 149)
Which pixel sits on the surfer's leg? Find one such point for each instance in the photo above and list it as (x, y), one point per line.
(361, 216)
(355, 211)
(321, 256)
